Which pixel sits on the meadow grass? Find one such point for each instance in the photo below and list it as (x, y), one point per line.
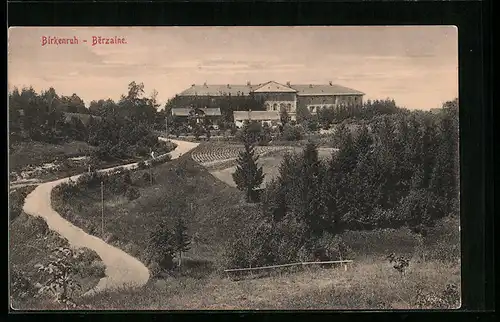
(22, 154)
(365, 285)
(370, 282)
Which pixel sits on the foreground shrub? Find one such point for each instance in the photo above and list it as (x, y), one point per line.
(334, 247)
(449, 298)
(21, 286)
(39, 225)
(61, 272)
(267, 243)
(16, 201)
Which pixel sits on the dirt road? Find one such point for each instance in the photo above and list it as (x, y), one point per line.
(122, 270)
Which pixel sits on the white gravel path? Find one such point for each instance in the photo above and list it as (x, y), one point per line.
(122, 270)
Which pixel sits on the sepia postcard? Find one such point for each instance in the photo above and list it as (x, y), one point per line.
(234, 168)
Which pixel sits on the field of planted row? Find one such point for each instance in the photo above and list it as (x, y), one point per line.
(212, 153)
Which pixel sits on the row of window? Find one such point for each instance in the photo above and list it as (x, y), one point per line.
(335, 100)
(276, 107)
(315, 108)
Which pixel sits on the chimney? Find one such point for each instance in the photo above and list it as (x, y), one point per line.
(248, 83)
(288, 83)
(331, 83)
(228, 86)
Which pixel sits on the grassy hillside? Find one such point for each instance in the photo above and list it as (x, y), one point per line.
(30, 243)
(216, 209)
(432, 279)
(369, 283)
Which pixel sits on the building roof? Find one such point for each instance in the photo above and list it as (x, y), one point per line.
(208, 111)
(311, 89)
(256, 115)
(273, 87)
(300, 89)
(218, 90)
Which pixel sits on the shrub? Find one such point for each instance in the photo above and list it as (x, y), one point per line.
(20, 285)
(334, 247)
(132, 249)
(89, 179)
(116, 184)
(449, 298)
(97, 269)
(161, 159)
(292, 132)
(146, 177)
(312, 125)
(61, 270)
(141, 165)
(109, 238)
(39, 225)
(132, 193)
(88, 255)
(141, 151)
(267, 243)
(16, 201)
(90, 264)
(127, 180)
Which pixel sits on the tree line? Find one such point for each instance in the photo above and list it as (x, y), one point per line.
(120, 129)
(325, 117)
(395, 170)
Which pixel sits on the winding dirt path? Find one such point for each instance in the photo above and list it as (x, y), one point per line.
(122, 270)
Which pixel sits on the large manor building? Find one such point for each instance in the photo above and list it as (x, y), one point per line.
(276, 96)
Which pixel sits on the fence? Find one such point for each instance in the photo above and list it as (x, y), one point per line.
(345, 262)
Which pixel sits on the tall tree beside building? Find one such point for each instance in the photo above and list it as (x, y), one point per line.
(248, 175)
(284, 116)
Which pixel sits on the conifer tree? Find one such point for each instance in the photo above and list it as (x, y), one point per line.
(161, 245)
(181, 241)
(284, 117)
(313, 202)
(248, 175)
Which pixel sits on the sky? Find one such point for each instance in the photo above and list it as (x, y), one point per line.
(417, 66)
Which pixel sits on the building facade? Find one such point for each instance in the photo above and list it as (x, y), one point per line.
(271, 118)
(200, 115)
(277, 97)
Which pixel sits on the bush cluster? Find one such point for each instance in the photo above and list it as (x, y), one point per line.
(292, 132)
(396, 171)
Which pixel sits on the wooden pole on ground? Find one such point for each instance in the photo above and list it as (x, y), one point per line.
(102, 209)
(151, 172)
(166, 126)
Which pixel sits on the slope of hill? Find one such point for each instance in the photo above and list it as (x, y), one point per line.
(214, 209)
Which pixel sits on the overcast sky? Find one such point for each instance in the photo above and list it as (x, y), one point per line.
(417, 66)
